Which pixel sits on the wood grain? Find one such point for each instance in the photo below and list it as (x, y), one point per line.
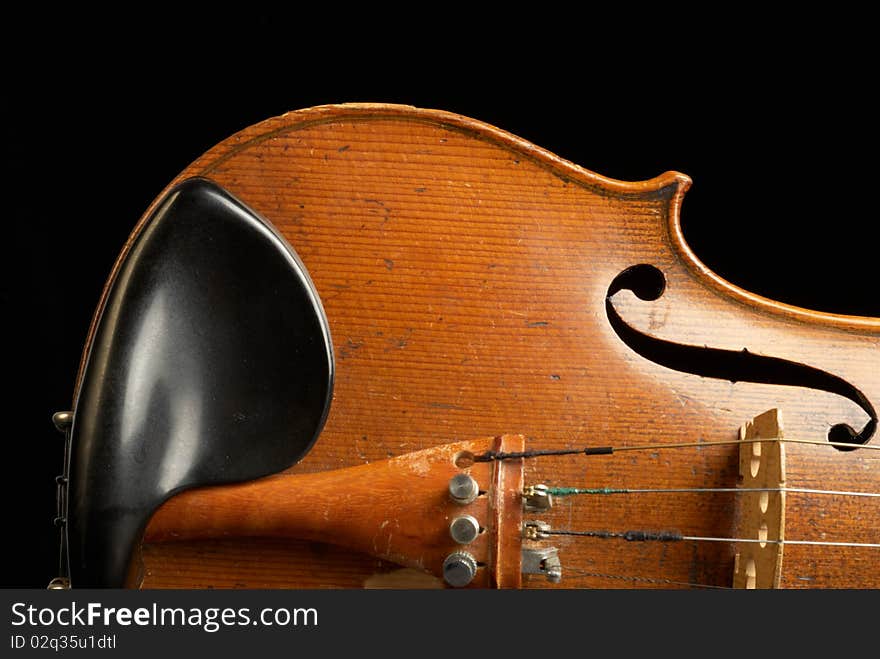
(464, 273)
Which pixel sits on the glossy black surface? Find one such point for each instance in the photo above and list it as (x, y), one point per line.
(211, 363)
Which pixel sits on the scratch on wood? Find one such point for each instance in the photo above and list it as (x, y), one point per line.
(417, 465)
(683, 400)
(389, 263)
(537, 323)
(445, 406)
(399, 342)
(350, 346)
(360, 450)
(387, 211)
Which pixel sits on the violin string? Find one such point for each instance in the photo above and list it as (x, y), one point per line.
(494, 456)
(815, 543)
(669, 536)
(577, 573)
(675, 536)
(572, 491)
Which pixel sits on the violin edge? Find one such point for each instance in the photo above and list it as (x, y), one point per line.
(716, 282)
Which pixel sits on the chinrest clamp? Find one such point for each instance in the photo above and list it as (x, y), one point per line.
(63, 422)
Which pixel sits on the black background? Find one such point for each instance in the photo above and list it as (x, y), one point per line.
(771, 119)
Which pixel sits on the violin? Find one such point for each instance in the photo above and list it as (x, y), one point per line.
(476, 364)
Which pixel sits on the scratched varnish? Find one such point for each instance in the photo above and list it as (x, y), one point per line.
(464, 273)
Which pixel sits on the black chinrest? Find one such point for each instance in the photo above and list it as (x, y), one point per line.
(211, 363)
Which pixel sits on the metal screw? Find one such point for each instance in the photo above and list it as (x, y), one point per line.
(464, 529)
(463, 489)
(62, 420)
(459, 569)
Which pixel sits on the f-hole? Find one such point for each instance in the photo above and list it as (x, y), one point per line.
(648, 283)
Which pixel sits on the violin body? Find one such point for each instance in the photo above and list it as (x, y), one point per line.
(476, 285)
